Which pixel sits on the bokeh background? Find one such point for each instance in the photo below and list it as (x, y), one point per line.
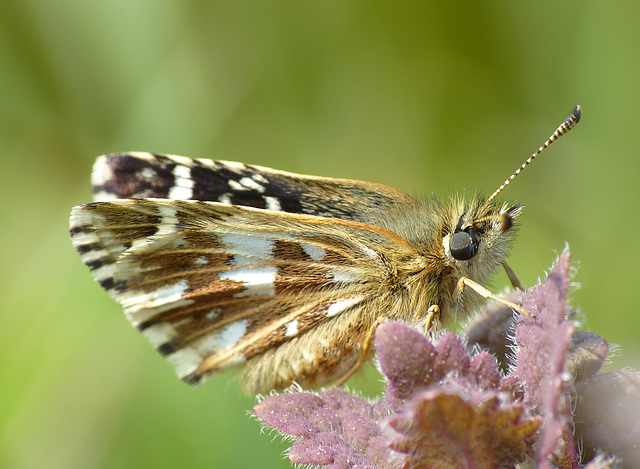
(428, 97)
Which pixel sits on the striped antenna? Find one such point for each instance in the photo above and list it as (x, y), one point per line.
(568, 124)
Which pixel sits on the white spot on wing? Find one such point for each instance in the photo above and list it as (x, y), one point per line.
(168, 221)
(159, 334)
(183, 183)
(343, 276)
(292, 328)
(180, 193)
(226, 337)
(260, 178)
(257, 280)
(100, 174)
(104, 272)
(148, 174)
(231, 334)
(201, 260)
(181, 160)
(80, 239)
(103, 196)
(90, 256)
(144, 314)
(211, 315)
(236, 186)
(138, 244)
(314, 252)
(244, 260)
(249, 246)
(251, 184)
(246, 184)
(184, 361)
(225, 199)
(81, 217)
(369, 252)
(143, 155)
(133, 302)
(182, 172)
(234, 360)
(273, 204)
(233, 165)
(339, 306)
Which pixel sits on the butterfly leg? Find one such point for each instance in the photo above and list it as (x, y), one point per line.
(432, 313)
(482, 291)
(512, 277)
(364, 355)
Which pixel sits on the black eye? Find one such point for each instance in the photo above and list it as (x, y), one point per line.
(464, 244)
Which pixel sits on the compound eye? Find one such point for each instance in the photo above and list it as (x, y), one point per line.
(463, 245)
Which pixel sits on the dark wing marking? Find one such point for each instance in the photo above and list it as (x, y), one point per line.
(145, 175)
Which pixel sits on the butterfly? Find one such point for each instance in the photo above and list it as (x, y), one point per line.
(220, 263)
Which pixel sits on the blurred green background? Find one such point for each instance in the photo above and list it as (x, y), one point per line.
(422, 96)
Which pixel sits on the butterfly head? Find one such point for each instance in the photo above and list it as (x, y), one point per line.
(464, 243)
(477, 237)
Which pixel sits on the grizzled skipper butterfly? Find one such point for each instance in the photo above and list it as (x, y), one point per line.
(220, 263)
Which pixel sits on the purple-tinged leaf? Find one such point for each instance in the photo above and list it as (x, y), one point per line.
(335, 429)
(445, 430)
(453, 411)
(543, 343)
(406, 358)
(412, 363)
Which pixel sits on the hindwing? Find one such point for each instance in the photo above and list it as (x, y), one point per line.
(214, 285)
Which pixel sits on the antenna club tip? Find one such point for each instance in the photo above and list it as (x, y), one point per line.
(507, 222)
(577, 113)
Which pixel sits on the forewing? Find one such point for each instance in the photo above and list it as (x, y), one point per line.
(212, 285)
(145, 175)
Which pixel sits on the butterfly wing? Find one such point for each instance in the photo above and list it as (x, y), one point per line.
(145, 175)
(214, 285)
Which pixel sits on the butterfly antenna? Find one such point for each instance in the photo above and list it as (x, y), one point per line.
(568, 124)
